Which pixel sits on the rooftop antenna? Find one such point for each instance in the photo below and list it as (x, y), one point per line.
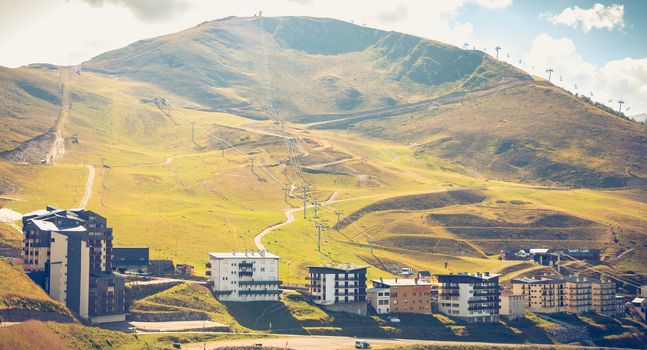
(620, 102)
(550, 73)
(498, 48)
(251, 159)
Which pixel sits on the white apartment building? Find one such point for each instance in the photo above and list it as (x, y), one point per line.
(244, 276)
(470, 297)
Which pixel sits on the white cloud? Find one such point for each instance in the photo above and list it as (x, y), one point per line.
(494, 3)
(618, 79)
(146, 10)
(599, 16)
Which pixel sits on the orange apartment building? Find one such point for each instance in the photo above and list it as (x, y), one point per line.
(402, 295)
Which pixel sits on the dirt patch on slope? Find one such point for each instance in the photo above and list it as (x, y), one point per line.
(547, 226)
(31, 335)
(430, 245)
(417, 202)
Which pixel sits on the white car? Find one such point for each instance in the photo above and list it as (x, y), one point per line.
(395, 320)
(362, 344)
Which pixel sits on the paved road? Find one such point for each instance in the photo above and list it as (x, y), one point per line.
(334, 343)
(88, 187)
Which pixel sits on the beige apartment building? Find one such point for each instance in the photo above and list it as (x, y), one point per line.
(512, 306)
(545, 295)
(578, 294)
(603, 295)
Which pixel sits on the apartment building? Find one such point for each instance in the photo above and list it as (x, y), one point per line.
(544, 295)
(379, 299)
(341, 288)
(404, 295)
(578, 294)
(603, 297)
(244, 276)
(341, 284)
(470, 297)
(513, 306)
(69, 254)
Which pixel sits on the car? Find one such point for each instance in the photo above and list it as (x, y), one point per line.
(362, 344)
(395, 320)
(177, 346)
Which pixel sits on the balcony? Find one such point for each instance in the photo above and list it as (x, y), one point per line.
(260, 292)
(222, 292)
(246, 264)
(245, 273)
(259, 283)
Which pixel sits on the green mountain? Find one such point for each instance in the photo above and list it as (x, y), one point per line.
(461, 105)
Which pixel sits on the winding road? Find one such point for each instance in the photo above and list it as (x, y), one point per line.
(289, 218)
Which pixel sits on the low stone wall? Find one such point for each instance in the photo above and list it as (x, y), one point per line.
(565, 334)
(17, 315)
(168, 316)
(141, 291)
(357, 308)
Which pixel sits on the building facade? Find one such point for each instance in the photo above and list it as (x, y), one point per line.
(544, 295)
(334, 285)
(513, 306)
(244, 276)
(603, 296)
(578, 294)
(470, 297)
(131, 259)
(406, 295)
(379, 299)
(67, 252)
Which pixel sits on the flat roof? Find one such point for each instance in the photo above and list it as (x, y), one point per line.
(338, 267)
(401, 282)
(530, 280)
(376, 289)
(243, 255)
(480, 276)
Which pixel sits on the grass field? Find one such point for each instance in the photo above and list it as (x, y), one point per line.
(183, 199)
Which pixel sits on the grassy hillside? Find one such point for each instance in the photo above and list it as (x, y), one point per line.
(181, 197)
(21, 298)
(315, 65)
(29, 103)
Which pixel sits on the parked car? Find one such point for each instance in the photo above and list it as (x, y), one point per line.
(177, 346)
(395, 320)
(362, 344)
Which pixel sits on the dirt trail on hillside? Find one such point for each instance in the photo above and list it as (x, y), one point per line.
(88, 187)
(289, 218)
(50, 146)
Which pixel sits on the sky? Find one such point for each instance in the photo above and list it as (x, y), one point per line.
(597, 48)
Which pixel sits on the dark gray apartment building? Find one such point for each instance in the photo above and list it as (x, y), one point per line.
(69, 253)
